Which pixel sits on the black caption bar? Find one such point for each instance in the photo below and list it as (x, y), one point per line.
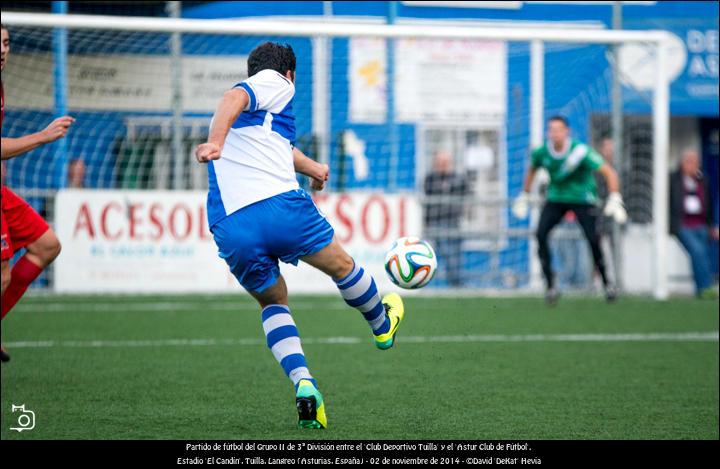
(380, 452)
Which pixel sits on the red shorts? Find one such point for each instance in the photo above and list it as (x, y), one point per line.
(21, 224)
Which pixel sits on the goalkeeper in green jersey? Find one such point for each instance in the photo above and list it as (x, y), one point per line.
(571, 165)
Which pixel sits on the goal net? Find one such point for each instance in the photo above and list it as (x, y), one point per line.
(426, 129)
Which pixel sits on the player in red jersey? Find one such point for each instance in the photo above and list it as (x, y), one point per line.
(23, 227)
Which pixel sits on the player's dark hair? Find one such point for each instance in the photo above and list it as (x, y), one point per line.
(273, 56)
(560, 118)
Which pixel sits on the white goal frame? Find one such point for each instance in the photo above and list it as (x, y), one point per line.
(534, 36)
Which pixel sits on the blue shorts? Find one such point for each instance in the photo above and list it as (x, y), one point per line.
(284, 227)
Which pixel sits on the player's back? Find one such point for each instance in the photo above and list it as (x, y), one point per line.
(256, 161)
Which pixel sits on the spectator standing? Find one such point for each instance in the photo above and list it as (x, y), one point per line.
(691, 219)
(445, 189)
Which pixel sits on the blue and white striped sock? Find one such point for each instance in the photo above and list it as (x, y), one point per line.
(283, 340)
(359, 291)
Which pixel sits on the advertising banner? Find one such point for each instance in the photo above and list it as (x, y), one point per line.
(159, 241)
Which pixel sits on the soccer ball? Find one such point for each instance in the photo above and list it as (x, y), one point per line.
(410, 262)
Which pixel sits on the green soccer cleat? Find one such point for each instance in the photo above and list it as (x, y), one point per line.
(395, 310)
(310, 406)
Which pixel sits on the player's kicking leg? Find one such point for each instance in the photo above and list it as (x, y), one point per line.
(358, 289)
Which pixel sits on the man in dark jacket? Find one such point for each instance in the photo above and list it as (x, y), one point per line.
(691, 219)
(446, 190)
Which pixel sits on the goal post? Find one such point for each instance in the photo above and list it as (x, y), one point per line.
(324, 144)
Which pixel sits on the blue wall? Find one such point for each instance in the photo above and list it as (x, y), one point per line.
(562, 87)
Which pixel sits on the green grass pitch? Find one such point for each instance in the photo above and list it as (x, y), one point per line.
(192, 367)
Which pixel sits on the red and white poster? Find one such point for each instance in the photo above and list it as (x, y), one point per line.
(136, 241)
(158, 241)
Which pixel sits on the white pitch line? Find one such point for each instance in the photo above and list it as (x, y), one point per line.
(166, 306)
(640, 337)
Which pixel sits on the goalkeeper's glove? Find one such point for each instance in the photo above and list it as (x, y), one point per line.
(521, 206)
(615, 208)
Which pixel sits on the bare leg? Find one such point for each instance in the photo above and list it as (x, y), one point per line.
(332, 260)
(40, 253)
(44, 250)
(275, 295)
(5, 275)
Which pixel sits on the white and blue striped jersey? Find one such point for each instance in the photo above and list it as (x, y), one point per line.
(256, 162)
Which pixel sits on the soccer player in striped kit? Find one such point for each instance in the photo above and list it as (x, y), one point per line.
(258, 215)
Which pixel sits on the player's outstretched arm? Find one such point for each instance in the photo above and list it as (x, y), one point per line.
(529, 178)
(611, 178)
(230, 107)
(614, 207)
(521, 204)
(317, 172)
(12, 147)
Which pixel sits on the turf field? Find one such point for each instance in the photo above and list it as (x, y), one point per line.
(192, 367)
